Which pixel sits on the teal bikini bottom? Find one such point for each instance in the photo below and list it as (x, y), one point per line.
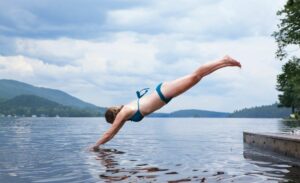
(138, 115)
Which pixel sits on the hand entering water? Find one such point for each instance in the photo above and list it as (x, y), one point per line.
(94, 148)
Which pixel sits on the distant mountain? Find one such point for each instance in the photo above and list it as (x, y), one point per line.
(31, 101)
(198, 113)
(265, 111)
(28, 105)
(195, 113)
(159, 115)
(11, 88)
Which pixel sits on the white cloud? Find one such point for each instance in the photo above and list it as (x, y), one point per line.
(130, 17)
(123, 54)
(20, 67)
(12, 65)
(206, 19)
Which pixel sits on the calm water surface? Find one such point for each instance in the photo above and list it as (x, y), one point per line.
(154, 150)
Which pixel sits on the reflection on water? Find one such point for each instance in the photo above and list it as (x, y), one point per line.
(139, 172)
(272, 165)
(290, 126)
(156, 150)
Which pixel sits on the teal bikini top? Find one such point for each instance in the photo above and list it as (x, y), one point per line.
(138, 115)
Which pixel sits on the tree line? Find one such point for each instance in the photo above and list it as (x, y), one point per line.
(29, 105)
(288, 40)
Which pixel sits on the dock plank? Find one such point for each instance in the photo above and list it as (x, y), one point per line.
(286, 144)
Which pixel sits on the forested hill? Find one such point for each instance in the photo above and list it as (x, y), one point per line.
(11, 88)
(266, 111)
(29, 105)
(192, 113)
(198, 113)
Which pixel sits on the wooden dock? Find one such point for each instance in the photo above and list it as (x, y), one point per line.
(285, 144)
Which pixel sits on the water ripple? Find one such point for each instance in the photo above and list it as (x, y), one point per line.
(157, 150)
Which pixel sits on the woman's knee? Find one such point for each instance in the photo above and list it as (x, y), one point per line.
(195, 78)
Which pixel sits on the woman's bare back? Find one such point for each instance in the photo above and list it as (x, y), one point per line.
(148, 104)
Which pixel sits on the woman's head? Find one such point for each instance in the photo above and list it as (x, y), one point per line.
(111, 113)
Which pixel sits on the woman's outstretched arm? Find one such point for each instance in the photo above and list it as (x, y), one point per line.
(109, 134)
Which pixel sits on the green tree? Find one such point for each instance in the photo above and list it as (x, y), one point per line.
(288, 34)
(289, 84)
(289, 28)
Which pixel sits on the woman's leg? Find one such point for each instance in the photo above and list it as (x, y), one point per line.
(176, 87)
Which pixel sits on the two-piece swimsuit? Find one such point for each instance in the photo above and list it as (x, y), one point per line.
(138, 115)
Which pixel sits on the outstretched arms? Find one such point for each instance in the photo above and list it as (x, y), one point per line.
(110, 133)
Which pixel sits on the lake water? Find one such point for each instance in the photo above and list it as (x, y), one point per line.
(154, 150)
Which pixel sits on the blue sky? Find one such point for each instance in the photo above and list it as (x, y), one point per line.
(102, 51)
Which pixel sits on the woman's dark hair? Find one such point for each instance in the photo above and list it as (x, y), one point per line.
(111, 113)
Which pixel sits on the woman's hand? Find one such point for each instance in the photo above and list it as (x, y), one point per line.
(94, 148)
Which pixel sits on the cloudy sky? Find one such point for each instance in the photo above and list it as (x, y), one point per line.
(102, 51)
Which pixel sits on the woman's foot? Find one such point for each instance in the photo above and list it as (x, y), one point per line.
(231, 62)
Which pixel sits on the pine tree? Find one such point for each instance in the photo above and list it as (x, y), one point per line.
(288, 34)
